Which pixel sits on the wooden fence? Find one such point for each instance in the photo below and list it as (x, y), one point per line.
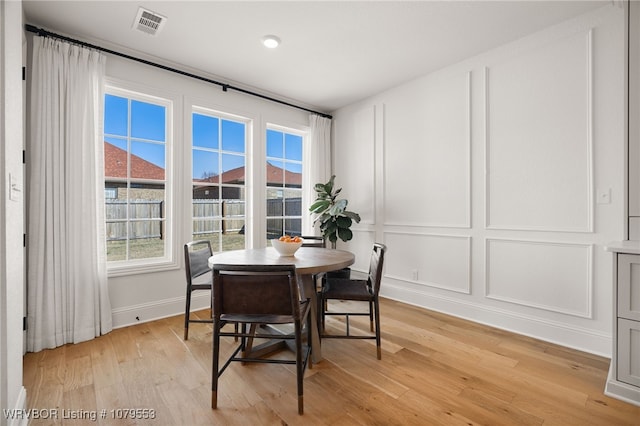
(146, 217)
(204, 211)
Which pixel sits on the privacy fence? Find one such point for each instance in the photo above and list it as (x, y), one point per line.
(145, 218)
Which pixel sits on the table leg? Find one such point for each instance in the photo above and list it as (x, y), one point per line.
(309, 290)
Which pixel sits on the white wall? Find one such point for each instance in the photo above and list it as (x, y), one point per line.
(12, 393)
(485, 180)
(148, 296)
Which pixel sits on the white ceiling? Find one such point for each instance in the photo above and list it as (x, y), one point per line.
(333, 53)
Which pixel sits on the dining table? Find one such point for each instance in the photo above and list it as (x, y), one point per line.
(309, 261)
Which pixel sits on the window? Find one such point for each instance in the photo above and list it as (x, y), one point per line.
(218, 179)
(136, 153)
(284, 183)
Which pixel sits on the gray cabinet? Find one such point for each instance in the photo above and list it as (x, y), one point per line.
(628, 299)
(628, 319)
(624, 374)
(628, 352)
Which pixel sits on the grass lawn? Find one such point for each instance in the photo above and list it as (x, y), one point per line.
(145, 248)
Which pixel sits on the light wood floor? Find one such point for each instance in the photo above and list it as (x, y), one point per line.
(435, 370)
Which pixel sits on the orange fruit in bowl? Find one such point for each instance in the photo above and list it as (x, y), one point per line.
(289, 239)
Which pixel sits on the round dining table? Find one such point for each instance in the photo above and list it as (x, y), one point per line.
(308, 261)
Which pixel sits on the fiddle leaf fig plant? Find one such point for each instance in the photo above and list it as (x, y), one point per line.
(332, 214)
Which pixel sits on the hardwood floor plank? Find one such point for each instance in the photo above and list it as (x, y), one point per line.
(104, 363)
(366, 369)
(113, 397)
(504, 411)
(78, 373)
(79, 406)
(435, 370)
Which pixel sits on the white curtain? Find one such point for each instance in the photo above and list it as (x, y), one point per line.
(318, 159)
(67, 297)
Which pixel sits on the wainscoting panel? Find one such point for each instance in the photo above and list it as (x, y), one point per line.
(552, 276)
(539, 139)
(427, 153)
(441, 261)
(356, 162)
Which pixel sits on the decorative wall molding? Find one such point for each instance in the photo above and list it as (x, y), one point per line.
(588, 219)
(466, 221)
(574, 97)
(357, 161)
(425, 266)
(518, 274)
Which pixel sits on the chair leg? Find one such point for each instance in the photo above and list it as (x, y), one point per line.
(371, 316)
(187, 313)
(323, 307)
(319, 311)
(299, 366)
(309, 359)
(215, 364)
(377, 319)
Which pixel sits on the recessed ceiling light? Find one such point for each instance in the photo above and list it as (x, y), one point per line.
(270, 41)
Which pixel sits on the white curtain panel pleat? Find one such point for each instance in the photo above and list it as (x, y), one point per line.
(67, 295)
(318, 159)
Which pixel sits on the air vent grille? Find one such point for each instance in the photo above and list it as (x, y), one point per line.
(148, 22)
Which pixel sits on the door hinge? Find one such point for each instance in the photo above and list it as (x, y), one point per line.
(24, 323)
(24, 73)
(24, 157)
(24, 240)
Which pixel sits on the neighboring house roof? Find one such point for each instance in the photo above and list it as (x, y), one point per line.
(116, 158)
(275, 177)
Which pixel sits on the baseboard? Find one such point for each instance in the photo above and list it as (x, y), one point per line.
(145, 312)
(622, 391)
(19, 416)
(543, 329)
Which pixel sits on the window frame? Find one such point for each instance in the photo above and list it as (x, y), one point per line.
(170, 260)
(304, 163)
(198, 108)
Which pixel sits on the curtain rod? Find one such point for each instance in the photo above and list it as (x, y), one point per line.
(225, 87)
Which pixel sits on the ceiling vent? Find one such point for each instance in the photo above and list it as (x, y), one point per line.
(148, 22)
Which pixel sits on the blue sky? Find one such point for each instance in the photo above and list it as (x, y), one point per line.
(209, 134)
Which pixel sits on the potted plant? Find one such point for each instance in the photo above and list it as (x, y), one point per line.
(332, 214)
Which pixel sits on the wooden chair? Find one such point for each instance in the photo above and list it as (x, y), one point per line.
(196, 257)
(356, 290)
(258, 295)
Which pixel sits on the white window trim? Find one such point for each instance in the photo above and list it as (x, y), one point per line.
(197, 108)
(303, 132)
(170, 260)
